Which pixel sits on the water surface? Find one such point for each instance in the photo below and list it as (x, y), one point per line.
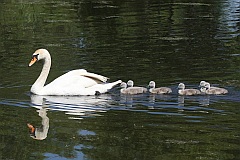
(165, 41)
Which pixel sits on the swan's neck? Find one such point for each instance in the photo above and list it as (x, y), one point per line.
(39, 83)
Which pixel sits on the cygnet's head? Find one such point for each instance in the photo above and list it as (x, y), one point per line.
(181, 86)
(130, 83)
(202, 83)
(152, 84)
(123, 85)
(207, 85)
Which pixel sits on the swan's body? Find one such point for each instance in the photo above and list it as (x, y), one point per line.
(189, 92)
(75, 82)
(159, 90)
(131, 90)
(207, 89)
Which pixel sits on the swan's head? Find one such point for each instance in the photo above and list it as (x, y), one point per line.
(39, 55)
(130, 83)
(123, 85)
(181, 86)
(152, 84)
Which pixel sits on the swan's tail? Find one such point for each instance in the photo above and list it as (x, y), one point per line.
(117, 82)
(104, 87)
(112, 84)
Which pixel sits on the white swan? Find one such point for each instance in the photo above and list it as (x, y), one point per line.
(75, 82)
(159, 90)
(189, 92)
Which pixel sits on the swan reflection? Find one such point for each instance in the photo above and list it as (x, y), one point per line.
(40, 133)
(77, 106)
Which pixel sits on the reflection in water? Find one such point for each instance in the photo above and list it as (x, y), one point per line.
(202, 100)
(76, 106)
(168, 41)
(79, 107)
(163, 99)
(230, 18)
(127, 99)
(181, 101)
(40, 133)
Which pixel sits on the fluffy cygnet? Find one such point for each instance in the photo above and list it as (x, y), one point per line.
(131, 90)
(159, 90)
(189, 92)
(207, 89)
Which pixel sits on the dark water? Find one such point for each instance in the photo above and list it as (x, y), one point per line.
(166, 41)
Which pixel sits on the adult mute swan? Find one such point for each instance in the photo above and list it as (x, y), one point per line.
(75, 82)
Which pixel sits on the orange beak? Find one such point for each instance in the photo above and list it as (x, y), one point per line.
(34, 59)
(31, 128)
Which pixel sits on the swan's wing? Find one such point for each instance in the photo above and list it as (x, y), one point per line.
(78, 82)
(77, 78)
(83, 72)
(95, 76)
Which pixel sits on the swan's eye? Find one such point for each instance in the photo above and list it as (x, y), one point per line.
(35, 56)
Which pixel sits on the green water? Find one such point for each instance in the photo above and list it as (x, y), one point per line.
(165, 41)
